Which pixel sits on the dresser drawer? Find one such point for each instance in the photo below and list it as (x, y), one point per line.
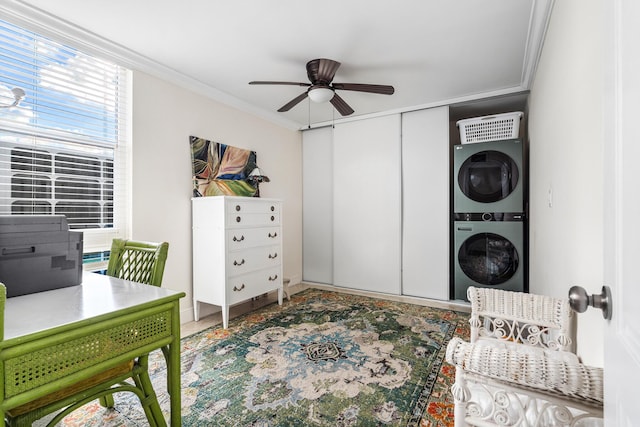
(251, 206)
(251, 259)
(242, 238)
(236, 220)
(241, 288)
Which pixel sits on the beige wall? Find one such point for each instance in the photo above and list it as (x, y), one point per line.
(565, 129)
(164, 116)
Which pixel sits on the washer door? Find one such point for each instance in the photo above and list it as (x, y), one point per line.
(488, 176)
(488, 259)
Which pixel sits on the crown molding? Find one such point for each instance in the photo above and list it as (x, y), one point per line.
(538, 24)
(37, 20)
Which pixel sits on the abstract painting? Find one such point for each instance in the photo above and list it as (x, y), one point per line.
(220, 169)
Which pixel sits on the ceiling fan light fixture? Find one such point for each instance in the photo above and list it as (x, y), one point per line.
(321, 94)
(320, 89)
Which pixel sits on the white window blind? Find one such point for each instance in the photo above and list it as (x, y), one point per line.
(64, 147)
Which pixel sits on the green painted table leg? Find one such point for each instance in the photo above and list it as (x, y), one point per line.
(173, 370)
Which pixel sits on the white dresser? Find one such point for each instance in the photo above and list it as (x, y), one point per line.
(237, 250)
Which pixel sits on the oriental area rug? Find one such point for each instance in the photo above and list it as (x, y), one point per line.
(321, 359)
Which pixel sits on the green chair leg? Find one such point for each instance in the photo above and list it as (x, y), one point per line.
(107, 401)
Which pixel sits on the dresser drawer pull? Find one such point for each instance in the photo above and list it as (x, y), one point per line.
(238, 263)
(271, 279)
(238, 289)
(237, 208)
(273, 208)
(235, 239)
(273, 218)
(273, 256)
(273, 235)
(238, 219)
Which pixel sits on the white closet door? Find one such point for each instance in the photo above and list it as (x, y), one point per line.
(367, 205)
(317, 205)
(425, 199)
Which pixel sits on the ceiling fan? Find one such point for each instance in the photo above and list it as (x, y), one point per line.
(321, 72)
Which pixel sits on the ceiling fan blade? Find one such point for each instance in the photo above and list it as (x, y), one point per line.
(380, 89)
(292, 103)
(342, 107)
(322, 70)
(278, 83)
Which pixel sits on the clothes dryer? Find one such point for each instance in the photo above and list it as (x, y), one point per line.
(488, 177)
(489, 254)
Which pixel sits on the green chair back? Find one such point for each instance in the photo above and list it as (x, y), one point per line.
(138, 261)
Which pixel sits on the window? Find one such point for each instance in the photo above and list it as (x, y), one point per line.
(63, 147)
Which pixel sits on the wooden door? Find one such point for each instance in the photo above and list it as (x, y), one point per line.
(622, 210)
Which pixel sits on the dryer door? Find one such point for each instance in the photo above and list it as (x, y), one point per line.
(488, 177)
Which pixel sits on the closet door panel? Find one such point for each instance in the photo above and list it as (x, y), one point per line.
(317, 205)
(425, 199)
(367, 205)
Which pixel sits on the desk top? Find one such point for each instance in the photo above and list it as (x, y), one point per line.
(97, 295)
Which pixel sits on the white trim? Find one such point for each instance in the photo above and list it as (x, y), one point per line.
(35, 19)
(38, 20)
(443, 103)
(540, 14)
(95, 266)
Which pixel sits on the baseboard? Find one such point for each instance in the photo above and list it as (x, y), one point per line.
(446, 305)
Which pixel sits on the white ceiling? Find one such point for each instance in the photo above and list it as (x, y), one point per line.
(431, 51)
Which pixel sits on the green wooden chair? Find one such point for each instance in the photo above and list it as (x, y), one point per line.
(71, 397)
(141, 262)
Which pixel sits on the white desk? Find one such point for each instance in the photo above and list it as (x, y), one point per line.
(133, 319)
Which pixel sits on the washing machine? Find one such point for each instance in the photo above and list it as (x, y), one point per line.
(489, 252)
(488, 177)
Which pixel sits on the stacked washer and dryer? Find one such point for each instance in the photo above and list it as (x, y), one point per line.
(489, 245)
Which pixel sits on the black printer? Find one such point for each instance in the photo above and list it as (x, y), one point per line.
(38, 253)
